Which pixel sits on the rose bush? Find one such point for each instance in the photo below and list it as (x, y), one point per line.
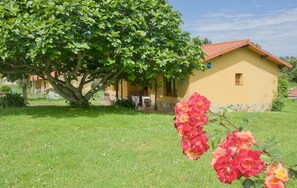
(235, 157)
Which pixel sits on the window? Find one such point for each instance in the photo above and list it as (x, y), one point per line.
(238, 79)
(170, 87)
(208, 65)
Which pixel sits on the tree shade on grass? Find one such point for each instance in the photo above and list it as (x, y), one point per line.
(108, 146)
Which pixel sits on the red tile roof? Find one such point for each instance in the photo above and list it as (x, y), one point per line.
(218, 49)
(36, 77)
(293, 93)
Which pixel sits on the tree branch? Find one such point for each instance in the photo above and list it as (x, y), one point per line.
(104, 82)
(20, 67)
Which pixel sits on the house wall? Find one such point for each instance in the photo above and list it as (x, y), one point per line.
(87, 87)
(259, 82)
(40, 86)
(125, 90)
(167, 103)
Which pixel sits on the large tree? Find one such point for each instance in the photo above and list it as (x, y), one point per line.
(89, 40)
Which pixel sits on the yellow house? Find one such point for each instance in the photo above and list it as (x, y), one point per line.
(238, 74)
(40, 85)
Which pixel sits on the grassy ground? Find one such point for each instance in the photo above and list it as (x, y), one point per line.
(107, 146)
(62, 102)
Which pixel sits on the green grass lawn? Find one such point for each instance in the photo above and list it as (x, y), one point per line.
(108, 146)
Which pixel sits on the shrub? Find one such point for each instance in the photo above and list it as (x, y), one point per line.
(127, 103)
(12, 100)
(278, 104)
(5, 89)
(283, 87)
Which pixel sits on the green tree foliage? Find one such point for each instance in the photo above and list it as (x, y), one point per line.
(94, 40)
(290, 73)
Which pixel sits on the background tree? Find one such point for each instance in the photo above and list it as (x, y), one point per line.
(88, 40)
(1, 79)
(200, 41)
(290, 74)
(257, 44)
(206, 41)
(23, 79)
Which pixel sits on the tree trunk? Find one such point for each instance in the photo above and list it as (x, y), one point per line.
(24, 87)
(121, 89)
(74, 94)
(116, 85)
(70, 93)
(140, 98)
(156, 90)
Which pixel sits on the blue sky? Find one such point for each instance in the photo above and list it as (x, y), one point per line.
(270, 23)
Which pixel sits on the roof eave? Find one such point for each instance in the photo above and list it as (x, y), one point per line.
(269, 56)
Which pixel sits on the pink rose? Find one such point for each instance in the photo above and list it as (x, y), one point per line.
(273, 182)
(246, 137)
(278, 171)
(181, 107)
(217, 153)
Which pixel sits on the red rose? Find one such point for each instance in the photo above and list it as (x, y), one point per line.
(195, 144)
(231, 143)
(197, 119)
(248, 162)
(181, 107)
(199, 102)
(226, 170)
(182, 118)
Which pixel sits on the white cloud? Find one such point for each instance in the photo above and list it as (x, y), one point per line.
(276, 31)
(240, 22)
(226, 15)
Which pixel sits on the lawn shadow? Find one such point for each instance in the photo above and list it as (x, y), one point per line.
(66, 111)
